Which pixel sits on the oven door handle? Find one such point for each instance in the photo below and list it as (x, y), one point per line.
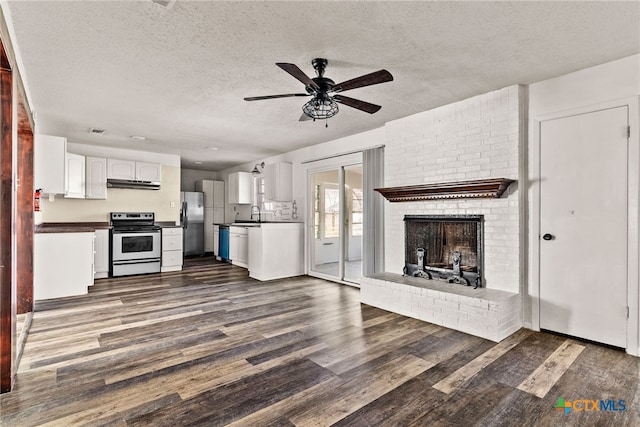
(136, 232)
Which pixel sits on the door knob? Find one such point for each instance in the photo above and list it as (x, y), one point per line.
(548, 237)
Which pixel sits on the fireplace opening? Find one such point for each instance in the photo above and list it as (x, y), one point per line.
(446, 247)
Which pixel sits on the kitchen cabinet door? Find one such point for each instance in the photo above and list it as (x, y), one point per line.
(49, 158)
(238, 246)
(216, 241)
(240, 188)
(75, 176)
(121, 169)
(171, 249)
(218, 215)
(243, 250)
(218, 194)
(96, 178)
(208, 229)
(101, 254)
(206, 187)
(233, 246)
(278, 182)
(148, 172)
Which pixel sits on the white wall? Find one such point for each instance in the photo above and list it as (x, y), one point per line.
(188, 178)
(610, 84)
(81, 210)
(476, 138)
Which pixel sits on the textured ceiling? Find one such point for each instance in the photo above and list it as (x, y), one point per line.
(178, 75)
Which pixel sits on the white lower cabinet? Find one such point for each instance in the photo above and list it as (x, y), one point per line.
(276, 251)
(171, 249)
(62, 264)
(238, 246)
(208, 230)
(101, 254)
(216, 241)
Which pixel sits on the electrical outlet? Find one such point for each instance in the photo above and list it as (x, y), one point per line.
(172, 204)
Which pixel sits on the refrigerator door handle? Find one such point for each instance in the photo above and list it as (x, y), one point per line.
(185, 218)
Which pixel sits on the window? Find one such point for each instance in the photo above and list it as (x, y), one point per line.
(331, 212)
(258, 195)
(356, 212)
(326, 215)
(316, 212)
(258, 191)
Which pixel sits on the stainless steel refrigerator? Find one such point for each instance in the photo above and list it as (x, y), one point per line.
(192, 218)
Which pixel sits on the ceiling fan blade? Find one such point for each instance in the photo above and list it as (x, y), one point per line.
(304, 118)
(258, 98)
(366, 80)
(356, 103)
(298, 74)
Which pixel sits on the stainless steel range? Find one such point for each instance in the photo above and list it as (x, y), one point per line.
(135, 244)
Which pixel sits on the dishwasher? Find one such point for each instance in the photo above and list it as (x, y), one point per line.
(223, 243)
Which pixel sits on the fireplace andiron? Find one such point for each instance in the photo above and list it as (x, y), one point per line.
(455, 275)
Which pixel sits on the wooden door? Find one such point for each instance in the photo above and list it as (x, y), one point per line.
(583, 225)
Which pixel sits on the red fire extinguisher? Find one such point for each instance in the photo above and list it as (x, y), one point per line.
(36, 200)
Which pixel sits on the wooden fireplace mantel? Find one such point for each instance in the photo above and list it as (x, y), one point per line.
(477, 189)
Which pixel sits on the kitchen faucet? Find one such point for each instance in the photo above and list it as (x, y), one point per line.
(258, 207)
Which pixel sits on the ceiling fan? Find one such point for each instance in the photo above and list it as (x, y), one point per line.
(326, 94)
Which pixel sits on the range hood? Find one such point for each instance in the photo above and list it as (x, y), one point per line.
(133, 184)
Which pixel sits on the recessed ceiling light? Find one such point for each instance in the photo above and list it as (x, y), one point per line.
(198, 163)
(212, 148)
(138, 137)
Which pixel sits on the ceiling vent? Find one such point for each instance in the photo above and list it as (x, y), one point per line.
(165, 3)
(95, 131)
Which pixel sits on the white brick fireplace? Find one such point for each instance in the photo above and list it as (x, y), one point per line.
(477, 138)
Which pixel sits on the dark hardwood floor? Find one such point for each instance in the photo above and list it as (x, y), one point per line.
(209, 346)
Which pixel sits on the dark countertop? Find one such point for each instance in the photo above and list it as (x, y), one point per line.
(70, 227)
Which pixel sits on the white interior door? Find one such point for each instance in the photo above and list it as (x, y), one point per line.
(583, 225)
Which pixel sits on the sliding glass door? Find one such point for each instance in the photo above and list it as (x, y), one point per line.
(336, 223)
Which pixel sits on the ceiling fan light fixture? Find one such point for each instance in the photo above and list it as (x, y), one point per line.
(318, 109)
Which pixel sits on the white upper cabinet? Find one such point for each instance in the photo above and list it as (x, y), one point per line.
(49, 163)
(240, 188)
(121, 169)
(206, 186)
(132, 170)
(148, 172)
(213, 192)
(96, 178)
(75, 176)
(278, 182)
(218, 194)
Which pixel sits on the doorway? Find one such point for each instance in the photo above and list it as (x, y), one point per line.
(336, 223)
(583, 225)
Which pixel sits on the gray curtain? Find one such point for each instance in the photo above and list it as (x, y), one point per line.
(373, 221)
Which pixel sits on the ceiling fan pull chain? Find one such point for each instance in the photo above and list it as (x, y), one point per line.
(326, 124)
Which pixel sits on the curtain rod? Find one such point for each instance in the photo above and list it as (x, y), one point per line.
(342, 154)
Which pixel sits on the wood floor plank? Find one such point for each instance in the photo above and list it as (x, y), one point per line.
(351, 396)
(210, 346)
(455, 380)
(542, 379)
